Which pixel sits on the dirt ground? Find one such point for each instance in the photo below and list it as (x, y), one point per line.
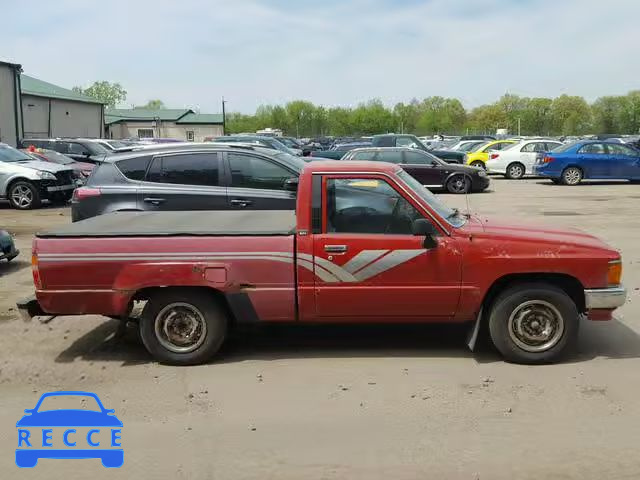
(360, 403)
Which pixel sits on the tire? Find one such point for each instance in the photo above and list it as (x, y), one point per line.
(23, 195)
(200, 308)
(556, 181)
(515, 307)
(571, 176)
(478, 164)
(459, 184)
(515, 171)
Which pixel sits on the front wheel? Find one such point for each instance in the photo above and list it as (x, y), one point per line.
(23, 195)
(571, 176)
(183, 327)
(533, 323)
(459, 184)
(515, 171)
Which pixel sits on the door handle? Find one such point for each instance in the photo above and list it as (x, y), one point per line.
(335, 248)
(240, 202)
(155, 201)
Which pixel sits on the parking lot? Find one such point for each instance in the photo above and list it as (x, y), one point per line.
(349, 403)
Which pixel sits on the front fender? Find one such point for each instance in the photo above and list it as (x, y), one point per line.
(15, 177)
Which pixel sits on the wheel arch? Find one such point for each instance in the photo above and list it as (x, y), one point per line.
(567, 283)
(15, 179)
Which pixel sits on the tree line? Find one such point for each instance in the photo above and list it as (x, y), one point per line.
(564, 115)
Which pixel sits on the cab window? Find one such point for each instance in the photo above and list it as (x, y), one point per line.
(364, 205)
(596, 148)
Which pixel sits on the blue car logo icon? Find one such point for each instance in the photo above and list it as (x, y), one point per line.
(69, 433)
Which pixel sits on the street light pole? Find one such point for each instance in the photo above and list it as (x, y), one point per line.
(224, 120)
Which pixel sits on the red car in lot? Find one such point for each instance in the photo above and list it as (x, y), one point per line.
(367, 244)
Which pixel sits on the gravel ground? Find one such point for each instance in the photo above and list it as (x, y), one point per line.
(354, 403)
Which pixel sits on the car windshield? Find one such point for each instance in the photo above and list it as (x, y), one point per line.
(56, 157)
(452, 216)
(293, 161)
(564, 148)
(69, 402)
(10, 154)
(97, 149)
(480, 147)
(117, 144)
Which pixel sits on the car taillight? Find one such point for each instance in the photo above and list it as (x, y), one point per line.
(35, 271)
(614, 273)
(85, 192)
(494, 156)
(548, 159)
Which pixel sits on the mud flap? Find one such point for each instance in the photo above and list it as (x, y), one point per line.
(472, 336)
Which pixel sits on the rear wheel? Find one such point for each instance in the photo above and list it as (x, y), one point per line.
(533, 323)
(183, 327)
(515, 171)
(478, 164)
(571, 176)
(459, 184)
(23, 195)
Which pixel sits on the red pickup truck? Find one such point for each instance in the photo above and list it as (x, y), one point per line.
(367, 243)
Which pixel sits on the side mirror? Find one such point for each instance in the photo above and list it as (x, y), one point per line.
(421, 227)
(291, 184)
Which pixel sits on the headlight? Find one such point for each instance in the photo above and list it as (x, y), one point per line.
(45, 175)
(482, 173)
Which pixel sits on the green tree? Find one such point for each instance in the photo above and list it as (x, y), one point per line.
(152, 105)
(570, 115)
(108, 93)
(487, 119)
(371, 118)
(536, 118)
(300, 114)
(339, 121)
(440, 115)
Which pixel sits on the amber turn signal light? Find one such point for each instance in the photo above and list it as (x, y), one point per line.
(614, 273)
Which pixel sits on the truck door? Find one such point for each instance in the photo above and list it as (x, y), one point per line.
(369, 265)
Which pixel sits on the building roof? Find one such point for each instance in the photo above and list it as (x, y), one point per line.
(204, 118)
(182, 116)
(33, 86)
(15, 66)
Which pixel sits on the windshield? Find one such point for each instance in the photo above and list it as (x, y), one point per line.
(295, 162)
(452, 216)
(117, 144)
(468, 146)
(10, 154)
(68, 402)
(565, 147)
(55, 157)
(96, 149)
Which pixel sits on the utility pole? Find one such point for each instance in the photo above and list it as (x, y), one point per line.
(224, 120)
(518, 126)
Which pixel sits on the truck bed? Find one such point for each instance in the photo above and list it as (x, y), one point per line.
(179, 223)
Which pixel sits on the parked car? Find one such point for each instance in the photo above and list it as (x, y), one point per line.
(113, 145)
(81, 150)
(486, 138)
(517, 160)
(466, 145)
(367, 243)
(267, 142)
(82, 169)
(601, 160)
(337, 151)
(8, 250)
(411, 141)
(212, 176)
(478, 156)
(25, 182)
(429, 170)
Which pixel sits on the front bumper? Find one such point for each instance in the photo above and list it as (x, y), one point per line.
(605, 298)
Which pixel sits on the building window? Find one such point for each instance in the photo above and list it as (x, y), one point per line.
(145, 133)
(190, 135)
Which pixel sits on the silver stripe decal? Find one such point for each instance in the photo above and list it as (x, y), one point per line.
(362, 259)
(387, 262)
(159, 254)
(336, 270)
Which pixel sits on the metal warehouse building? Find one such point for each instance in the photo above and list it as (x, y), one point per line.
(10, 114)
(52, 111)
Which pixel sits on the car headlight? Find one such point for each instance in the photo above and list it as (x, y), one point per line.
(45, 175)
(482, 173)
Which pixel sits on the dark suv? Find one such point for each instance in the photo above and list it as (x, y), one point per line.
(81, 150)
(411, 141)
(215, 176)
(429, 170)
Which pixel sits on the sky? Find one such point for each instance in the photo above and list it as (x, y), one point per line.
(190, 53)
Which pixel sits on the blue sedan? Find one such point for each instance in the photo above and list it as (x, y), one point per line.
(597, 160)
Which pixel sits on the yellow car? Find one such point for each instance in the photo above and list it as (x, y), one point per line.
(480, 155)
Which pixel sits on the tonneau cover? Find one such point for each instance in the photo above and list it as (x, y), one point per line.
(178, 223)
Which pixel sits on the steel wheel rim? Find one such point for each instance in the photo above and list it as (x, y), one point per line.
(478, 164)
(180, 327)
(22, 196)
(536, 326)
(459, 184)
(515, 171)
(572, 176)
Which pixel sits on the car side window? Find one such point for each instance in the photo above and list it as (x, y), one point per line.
(406, 142)
(254, 172)
(416, 158)
(391, 156)
(362, 156)
(620, 150)
(78, 149)
(363, 205)
(551, 145)
(596, 148)
(185, 169)
(529, 147)
(134, 168)
(497, 146)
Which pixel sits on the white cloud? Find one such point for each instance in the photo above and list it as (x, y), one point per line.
(192, 52)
